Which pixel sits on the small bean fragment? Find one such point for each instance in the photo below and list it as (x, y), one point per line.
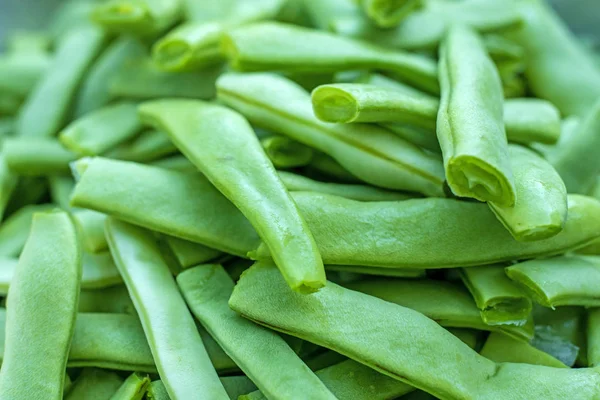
(134, 388)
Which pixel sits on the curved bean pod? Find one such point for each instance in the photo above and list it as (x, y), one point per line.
(42, 306)
(180, 356)
(222, 144)
(429, 233)
(366, 328)
(36, 156)
(371, 153)
(265, 357)
(499, 300)
(473, 143)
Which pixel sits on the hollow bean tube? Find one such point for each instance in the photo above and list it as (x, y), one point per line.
(264, 356)
(208, 134)
(180, 356)
(271, 46)
(560, 281)
(45, 110)
(180, 204)
(42, 305)
(540, 209)
(389, 13)
(499, 300)
(138, 17)
(285, 152)
(473, 143)
(429, 233)
(433, 360)
(371, 153)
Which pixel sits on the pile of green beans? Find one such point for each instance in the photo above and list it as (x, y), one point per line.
(299, 199)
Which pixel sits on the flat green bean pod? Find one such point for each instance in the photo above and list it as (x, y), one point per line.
(46, 109)
(15, 229)
(114, 299)
(180, 204)
(189, 254)
(531, 120)
(207, 135)
(371, 153)
(194, 45)
(180, 356)
(449, 305)
(102, 129)
(593, 337)
(389, 13)
(499, 300)
(148, 146)
(473, 142)
(36, 156)
(8, 185)
(366, 328)
(271, 46)
(134, 387)
(424, 29)
(576, 158)
(20, 71)
(560, 281)
(285, 152)
(553, 54)
(138, 17)
(42, 306)
(94, 384)
(141, 79)
(264, 357)
(429, 233)
(299, 183)
(91, 229)
(502, 348)
(540, 209)
(94, 92)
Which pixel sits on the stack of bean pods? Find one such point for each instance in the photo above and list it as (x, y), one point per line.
(300, 199)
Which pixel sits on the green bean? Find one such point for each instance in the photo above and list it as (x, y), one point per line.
(180, 204)
(473, 143)
(180, 356)
(540, 210)
(91, 229)
(430, 358)
(157, 391)
(42, 305)
(113, 299)
(8, 185)
(189, 254)
(285, 152)
(424, 29)
(326, 168)
(429, 233)
(139, 17)
(349, 380)
(102, 130)
(501, 348)
(94, 92)
(359, 269)
(148, 146)
(20, 71)
(499, 300)
(37, 156)
(525, 120)
(593, 337)
(568, 129)
(575, 158)
(299, 183)
(373, 154)
(237, 385)
(195, 45)
(248, 180)
(15, 229)
(7, 270)
(553, 54)
(560, 281)
(176, 163)
(272, 46)
(46, 109)
(134, 388)
(448, 304)
(265, 357)
(389, 13)
(141, 79)
(94, 384)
